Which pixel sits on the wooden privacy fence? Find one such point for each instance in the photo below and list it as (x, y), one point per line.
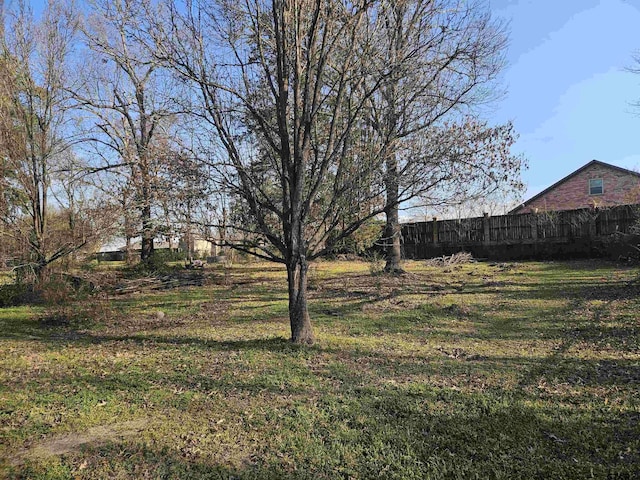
(528, 234)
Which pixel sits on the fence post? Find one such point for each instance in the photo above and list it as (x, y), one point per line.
(592, 222)
(486, 232)
(534, 225)
(435, 230)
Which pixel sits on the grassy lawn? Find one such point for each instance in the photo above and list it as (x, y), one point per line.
(487, 371)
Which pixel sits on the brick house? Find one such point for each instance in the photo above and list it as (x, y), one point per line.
(596, 184)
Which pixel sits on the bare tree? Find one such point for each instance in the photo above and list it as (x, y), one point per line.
(36, 129)
(131, 102)
(315, 107)
(186, 196)
(283, 86)
(10, 142)
(442, 59)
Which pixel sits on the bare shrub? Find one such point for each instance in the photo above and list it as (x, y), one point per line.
(455, 259)
(376, 263)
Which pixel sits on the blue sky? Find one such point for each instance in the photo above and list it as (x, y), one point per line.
(568, 93)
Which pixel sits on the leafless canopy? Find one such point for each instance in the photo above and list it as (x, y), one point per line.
(132, 107)
(309, 104)
(37, 138)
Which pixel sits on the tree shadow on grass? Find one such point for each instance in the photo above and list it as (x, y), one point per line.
(383, 433)
(59, 333)
(132, 460)
(495, 436)
(357, 425)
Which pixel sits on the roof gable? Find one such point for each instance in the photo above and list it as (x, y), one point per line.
(570, 176)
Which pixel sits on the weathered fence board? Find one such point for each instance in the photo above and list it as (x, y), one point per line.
(584, 227)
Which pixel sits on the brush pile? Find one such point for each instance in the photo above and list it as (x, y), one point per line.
(447, 260)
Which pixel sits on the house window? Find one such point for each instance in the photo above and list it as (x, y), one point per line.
(596, 186)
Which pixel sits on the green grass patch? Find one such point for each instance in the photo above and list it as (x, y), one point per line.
(489, 371)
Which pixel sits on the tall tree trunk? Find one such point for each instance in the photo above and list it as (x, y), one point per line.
(301, 331)
(147, 235)
(146, 251)
(38, 232)
(127, 252)
(297, 270)
(40, 270)
(392, 228)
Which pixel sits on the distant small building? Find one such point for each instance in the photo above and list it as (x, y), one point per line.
(116, 249)
(596, 184)
(173, 245)
(189, 244)
(198, 246)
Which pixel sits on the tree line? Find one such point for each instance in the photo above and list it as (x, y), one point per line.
(285, 126)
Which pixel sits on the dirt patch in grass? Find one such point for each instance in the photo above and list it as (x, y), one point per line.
(390, 305)
(71, 442)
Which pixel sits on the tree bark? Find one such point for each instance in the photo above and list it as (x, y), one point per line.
(392, 236)
(392, 229)
(147, 235)
(40, 270)
(127, 252)
(301, 331)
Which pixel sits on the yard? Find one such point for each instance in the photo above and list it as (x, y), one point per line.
(480, 370)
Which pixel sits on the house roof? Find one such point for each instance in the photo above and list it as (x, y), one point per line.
(157, 245)
(571, 175)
